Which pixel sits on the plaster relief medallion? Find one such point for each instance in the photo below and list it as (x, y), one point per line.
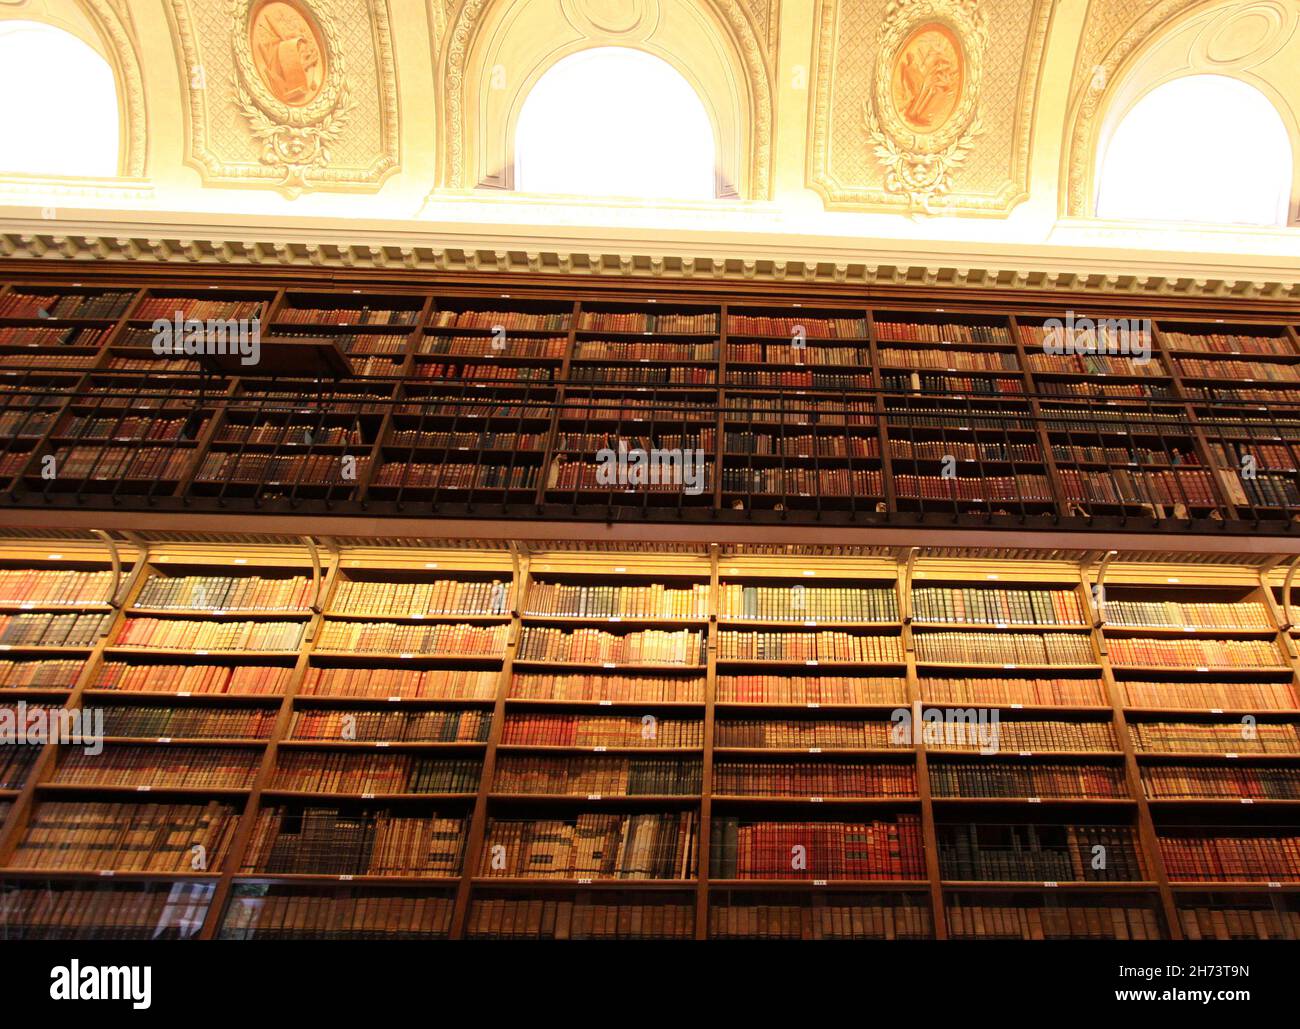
(287, 52)
(922, 116)
(290, 83)
(927, 77)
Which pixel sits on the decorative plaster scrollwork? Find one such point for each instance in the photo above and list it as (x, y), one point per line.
(922, 117)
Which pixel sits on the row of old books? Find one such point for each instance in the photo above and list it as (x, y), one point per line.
(1195, 653)
(682, 474)
(603, 776)
(1056, 922)
(161, 767)
(451, 475)
(15, 765)
(458, 370)
(1272, 696)
(142, 721)
(831, 482)
(1093, 364)
(1243, 737)
(312, 840)
(581, 646)
(406, 683)
(802, 445)
(334, 771)
(839, 917)
(1221, 782)
(1038, 852)
(1247, 371)
(37, 674)
(813, 779)
(799, 379)
(459, 725)
(192, 678)
(407, 599)
(1273, 456)
(368, 915)
(1090, 388)
(482, 440)
(1005, 779)
(52, 630)
(653, 845)
(840, 647)
(590, 442)
(81, 337)
(94, 836)
(997, 691)
(644, 374)
(803, 734)
(565, 730)
(581, 686)
(1227, 855)
(1018, 737)
(882, 849)
(811, 689)
(1121, 455)
(499, 345)
(289, 434)
(943, 332)
(1227, 343)
(1206, 923)
(1125, 486)
(345, 316)
(194, 307)
(109, 304)
(781, 325)
(950, 360)
(343, 470)
(398, 637)
(643, 321)
(188, 634)
(53, 586)
(511, 320)
(652, 601)
(120, 430)
(940, 450)
(802, 603)
(981, 490)
(984, 648)
(1266, 491)
(510, 918)
(996, 606)
(917, 382)
(1176, 614)
(105, 463)
(226, 593)
(797, 352)
(798, 410)
(103, 911)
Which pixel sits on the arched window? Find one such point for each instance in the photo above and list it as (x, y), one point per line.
(612, 121)
(60, 111)
(1202, 148)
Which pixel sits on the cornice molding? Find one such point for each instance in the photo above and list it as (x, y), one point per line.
(1204, 276)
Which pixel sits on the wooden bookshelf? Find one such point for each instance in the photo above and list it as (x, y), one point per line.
(1035, 795)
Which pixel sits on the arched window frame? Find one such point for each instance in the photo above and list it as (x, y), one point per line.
(100, 25)
(521, 102)
(1132, 93)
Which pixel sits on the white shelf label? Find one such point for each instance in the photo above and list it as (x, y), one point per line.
(810, 663)
(1033, 800)
(143, 789)
(184, 693)
(1247, 800)
(585, 882)
(599, 750)
(381, 743)
(819, 882)
(1026, 753)
(606, 703)
(1233, 755)
(1051, 885)
(814, 750)
(394, 700)
(164, 739)
(107, 872)
(1216, 710)
(815, 800)
(610, 664)
(367, 796)
(813, 704)
(345, 878)
(1016, 707)
(594, 796)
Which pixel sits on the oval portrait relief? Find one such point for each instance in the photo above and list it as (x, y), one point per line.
(287, 52)
(927, 77)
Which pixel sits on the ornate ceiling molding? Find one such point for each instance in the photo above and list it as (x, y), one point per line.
(335, 126)
(925, 106)
(156, 246)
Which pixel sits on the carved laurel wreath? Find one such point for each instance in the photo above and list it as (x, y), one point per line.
(918, 166)
(295, 139)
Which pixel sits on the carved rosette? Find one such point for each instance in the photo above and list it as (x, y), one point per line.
(290, 83)
(922, 116)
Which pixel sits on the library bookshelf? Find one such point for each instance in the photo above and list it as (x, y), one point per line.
(327, 737)
(388, 395)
